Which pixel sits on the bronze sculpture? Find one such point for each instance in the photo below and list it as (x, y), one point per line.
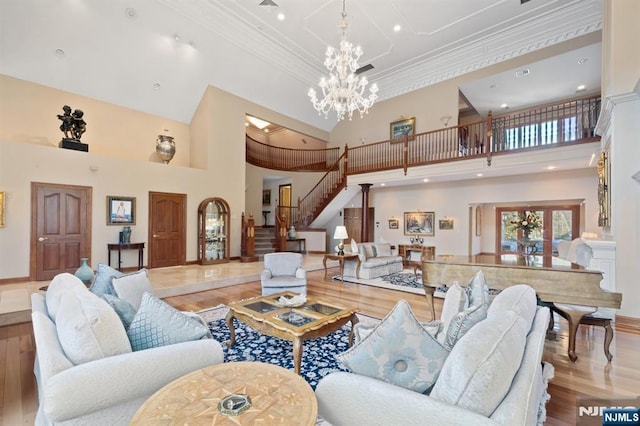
(73, 126)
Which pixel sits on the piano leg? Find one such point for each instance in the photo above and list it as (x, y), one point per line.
(573, 314)
(428, 292)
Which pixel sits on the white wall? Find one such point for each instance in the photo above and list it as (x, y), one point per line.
(21, 164)
(453, 199)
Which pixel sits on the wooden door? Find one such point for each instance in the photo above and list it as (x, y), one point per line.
(167, 229)
(284, 203)
(60, 229)
(353, 223)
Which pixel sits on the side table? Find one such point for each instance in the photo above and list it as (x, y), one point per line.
(127, 246)
(278, 396)
(340, 258)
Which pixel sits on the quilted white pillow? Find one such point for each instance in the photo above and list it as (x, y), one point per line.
(89, 329)
(481, 366)
(354, 246)
(399, 351)
(60, 285)
(479, 371)
(131, 287)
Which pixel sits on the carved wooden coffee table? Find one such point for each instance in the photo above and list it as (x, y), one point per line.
(275, 395)
(314, 319)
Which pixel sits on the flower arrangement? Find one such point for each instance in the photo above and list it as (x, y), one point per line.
(527, 222)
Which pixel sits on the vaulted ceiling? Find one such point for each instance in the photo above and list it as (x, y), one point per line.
(158, 56)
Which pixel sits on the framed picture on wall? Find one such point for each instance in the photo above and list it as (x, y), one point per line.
(402, 130)
(419, 223)
(121, 210)
(266, 197)
(394, 224)
(445, 223)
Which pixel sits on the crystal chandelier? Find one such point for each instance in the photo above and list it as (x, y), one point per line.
(343, 90)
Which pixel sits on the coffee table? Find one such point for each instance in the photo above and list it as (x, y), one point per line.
(277, 396)
(315, 318)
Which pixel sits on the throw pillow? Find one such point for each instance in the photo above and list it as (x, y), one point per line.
(102, 282)
(461, 323)
(158, 324)
(88, 329)
(382, 249)
(124, 309)
(369, 250)
(59, 286)
(398, 351)
(130, 287)
(455, 301)
(354, 246)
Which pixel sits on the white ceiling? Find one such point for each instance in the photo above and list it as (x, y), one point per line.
(125, 51)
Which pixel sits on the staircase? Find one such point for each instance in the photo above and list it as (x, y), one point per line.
(264, 240)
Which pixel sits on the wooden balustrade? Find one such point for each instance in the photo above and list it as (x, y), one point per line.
(545, 126)
(248, 240)
(288, 159)
(323, 192)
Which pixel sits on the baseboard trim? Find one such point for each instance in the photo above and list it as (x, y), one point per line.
(13, 280)
(627, 324)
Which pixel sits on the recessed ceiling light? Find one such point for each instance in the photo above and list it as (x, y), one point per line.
(266, 130)
(425, 180)
(130, 12)
(504, 106)
(281, 16)
(581, 88)
(192, 43)
(260, 124)
(59, 53)
(493, 86)
(382, 184)
(551, 167)
(156, 85)
(176, 37)
(397, 27)
(479, 175)
(583, 60)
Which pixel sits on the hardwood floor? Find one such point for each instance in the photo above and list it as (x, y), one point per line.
(590, 376)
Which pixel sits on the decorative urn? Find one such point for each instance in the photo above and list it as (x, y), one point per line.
(84, 272)
(166, 148)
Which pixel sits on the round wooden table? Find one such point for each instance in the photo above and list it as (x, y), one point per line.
(278, 396)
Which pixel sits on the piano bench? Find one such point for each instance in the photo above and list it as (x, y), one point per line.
(608, 331)
(577, 315)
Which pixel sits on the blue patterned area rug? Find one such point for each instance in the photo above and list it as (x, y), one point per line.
(317, 357)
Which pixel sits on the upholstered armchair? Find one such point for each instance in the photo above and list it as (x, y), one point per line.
(283, 272)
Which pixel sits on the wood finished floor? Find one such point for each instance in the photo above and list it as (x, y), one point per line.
(590, 375)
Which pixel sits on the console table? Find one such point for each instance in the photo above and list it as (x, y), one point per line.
(302, 244)
(127, 246)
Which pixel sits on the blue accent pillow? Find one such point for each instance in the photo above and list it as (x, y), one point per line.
(125, 310)
(102, 283)
(158, 324)
(399, 351)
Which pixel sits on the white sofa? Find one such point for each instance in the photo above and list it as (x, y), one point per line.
(492, 376)
(106, 390)
(376, 260)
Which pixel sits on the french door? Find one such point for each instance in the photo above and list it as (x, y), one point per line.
(559, 223)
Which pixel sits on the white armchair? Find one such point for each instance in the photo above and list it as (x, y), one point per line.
(283, 272)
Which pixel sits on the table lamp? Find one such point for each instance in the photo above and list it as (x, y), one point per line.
(340, 234)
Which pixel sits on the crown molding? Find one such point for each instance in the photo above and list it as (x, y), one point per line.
(567, 21)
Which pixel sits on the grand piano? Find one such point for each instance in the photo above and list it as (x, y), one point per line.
(573, 290)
